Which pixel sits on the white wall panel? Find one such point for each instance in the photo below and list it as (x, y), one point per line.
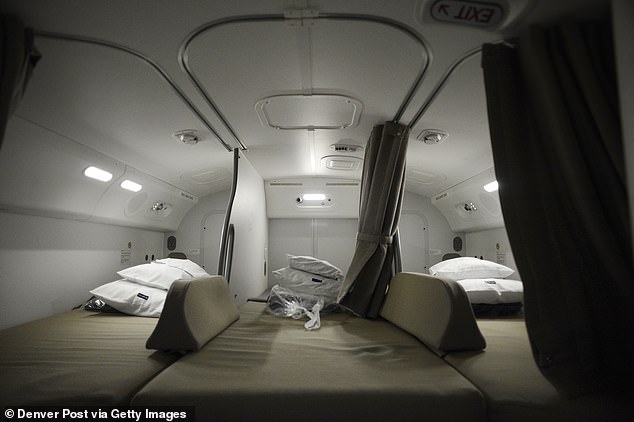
(331, 239)
(425, 237)
(469, 207)
(492, 245)
(49, 265)
(41, 173)
(198, 235)
(288, 236)
(248, 216)
(437, 236)
(335, 241)
(413, 228)
(210, 242)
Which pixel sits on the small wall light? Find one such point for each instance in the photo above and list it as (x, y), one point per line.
(131, 186)
(98, 174)
(491, 187)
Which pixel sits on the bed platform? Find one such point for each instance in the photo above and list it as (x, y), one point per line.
(78, 358)
(425, 359)
(515, 389)
(265, 367)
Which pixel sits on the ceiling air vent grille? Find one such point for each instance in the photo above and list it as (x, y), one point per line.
(345, 148)
(432, 136)
(342, 184)
(286, 184)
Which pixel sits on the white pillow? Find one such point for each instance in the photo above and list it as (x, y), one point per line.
(493, 290)
(315, 266)
(162, 275)
(466, 267)
(132, 298)
(303, 282)
(186, 265)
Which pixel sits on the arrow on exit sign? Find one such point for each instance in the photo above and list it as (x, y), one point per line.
(467, 12)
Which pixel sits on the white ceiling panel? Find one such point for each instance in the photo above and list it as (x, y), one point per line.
(244, 51)
(115, 103)
(460, 111)
(239, 64)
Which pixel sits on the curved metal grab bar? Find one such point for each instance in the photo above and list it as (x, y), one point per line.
(222, 257)
(229, 255)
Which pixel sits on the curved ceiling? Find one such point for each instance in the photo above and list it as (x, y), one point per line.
(245, 51)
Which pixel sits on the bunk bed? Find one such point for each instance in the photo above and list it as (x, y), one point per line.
(425, 357)
(78, 358)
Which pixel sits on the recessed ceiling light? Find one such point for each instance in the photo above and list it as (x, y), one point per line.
(131, 186)
(98, 174)
(313, 197)
(491, 187)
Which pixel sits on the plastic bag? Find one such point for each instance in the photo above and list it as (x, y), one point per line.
(285, 302)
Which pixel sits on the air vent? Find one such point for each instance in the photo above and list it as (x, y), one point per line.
(286, 184)
(345, 148)
(342, 184)
(159, 206)
(187, 137)
(188, 196)
(161, 209)
(432, 136)
(210, 176)
(469, 207)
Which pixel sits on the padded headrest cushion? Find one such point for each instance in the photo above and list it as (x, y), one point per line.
(195, 311)
(436, 311)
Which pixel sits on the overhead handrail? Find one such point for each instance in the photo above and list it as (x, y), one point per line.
(222, 257)
(441, 84)
(183, 57)
(229, 255)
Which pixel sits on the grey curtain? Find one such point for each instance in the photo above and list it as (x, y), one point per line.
(556, 139)
(17, 59)
(382, 184)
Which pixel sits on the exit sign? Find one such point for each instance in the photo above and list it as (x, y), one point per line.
(467, 12)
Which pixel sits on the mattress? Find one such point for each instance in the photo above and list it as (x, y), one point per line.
(265, 367)
(78, 358)
(515, 389)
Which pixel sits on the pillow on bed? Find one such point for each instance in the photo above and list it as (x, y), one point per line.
(493, 290)
(132, 298)
(304, 282)
(162, 275)
(315, 266)
(467, 267)
(186, 265)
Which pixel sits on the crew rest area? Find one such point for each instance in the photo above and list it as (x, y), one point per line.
(426, 357)
(318, 210)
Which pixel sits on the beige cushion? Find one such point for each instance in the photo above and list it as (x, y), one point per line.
(434, 310)
(195, 311)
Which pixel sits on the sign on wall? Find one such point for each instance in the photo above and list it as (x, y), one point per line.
(468, 13)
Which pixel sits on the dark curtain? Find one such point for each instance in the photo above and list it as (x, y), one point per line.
(557, 146)
(382, 186)
(18, 57)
